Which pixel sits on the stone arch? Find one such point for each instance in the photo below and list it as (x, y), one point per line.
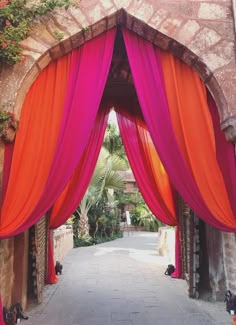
(163, 24)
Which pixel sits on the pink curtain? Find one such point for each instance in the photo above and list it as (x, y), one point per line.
(141, 166)
(70, 198)
(178, 260)
(78, 184)
(145, 63)
(89, 70)
(1, 313)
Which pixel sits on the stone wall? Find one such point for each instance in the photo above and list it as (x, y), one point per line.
(6, 270)
(166, 244)
(216, 262)
(229, 251)
(62, 242)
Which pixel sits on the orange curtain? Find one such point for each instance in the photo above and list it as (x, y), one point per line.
(193, 128)
(32, 160)
(159, 174)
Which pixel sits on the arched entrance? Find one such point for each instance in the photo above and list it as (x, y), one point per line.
(93, 35)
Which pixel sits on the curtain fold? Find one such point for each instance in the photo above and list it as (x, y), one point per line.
(31, 161)
(149, 178)
(89, 70)
(192, 123)
(70, 198)
(6, 168)
(60, 118)
(146, 68)
(1, 312)
(225, 154)
(51, 273)
(178, 259)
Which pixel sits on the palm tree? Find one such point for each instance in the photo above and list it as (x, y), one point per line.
(105, 180)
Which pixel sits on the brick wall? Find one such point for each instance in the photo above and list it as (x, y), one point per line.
(41, 231)
(6, 270)
(63, 242)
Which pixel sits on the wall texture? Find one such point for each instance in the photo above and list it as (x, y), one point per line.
(63, 242)
(6, 270)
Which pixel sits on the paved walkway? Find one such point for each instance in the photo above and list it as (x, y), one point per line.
(122, 283)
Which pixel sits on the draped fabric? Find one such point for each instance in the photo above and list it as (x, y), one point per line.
(31, 161)
(150, 178)
(194, 132)
(42, 171)
(146, 67)
(89, 70)
(51, 273)
(1, 313)
(225, 155)
(178, 260)
(6, 168)
(70, 198)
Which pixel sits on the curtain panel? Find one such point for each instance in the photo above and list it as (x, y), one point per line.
(150, 178)
(146, 67)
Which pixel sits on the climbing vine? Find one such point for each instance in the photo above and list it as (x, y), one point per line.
(16, 18)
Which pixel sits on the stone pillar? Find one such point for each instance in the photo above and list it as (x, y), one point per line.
(216, 260)
(21, 248)
(229, 128)
(229, 243)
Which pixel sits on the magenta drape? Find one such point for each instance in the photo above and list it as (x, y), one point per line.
(145, 63)
(80, 179)
(1, 313)
(141, 168)
(6, 168)
(225, 155)
(76, 188)
(89, 70)
(51, 273)
(178, 260)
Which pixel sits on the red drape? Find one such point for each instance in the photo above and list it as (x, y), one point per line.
(194, 131)
(149, 177)
(40, 122)
(70, 198)
(146, 66)
(76, 188)
(42, 171)
(225, 155)
(89, 70)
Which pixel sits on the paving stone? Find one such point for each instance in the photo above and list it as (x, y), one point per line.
(122, 283)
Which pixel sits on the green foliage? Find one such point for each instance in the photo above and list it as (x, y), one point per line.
(81, 242)
(142, 216)
(58, 35)
(16, 19)
(113, 143)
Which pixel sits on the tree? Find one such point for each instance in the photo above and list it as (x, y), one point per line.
(105, 180)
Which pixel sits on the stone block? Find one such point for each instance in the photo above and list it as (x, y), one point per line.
(99, 27)
(158, 17)
(187, 32)
(170, 26)
(214, 11)
(77, 39)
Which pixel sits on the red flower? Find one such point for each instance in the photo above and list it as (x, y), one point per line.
(4, 45)
(8, 23)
